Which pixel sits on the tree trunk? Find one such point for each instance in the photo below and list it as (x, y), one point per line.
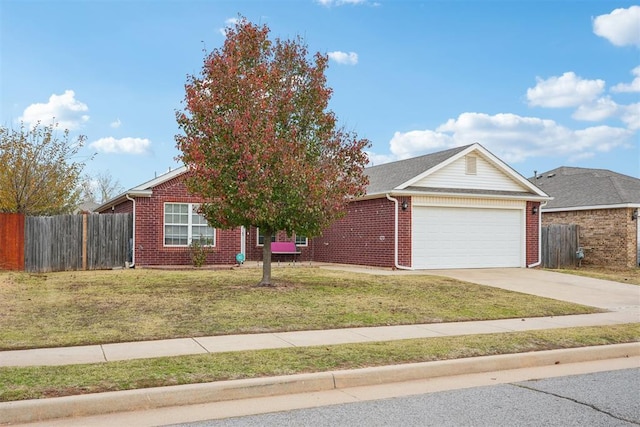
(266, 260)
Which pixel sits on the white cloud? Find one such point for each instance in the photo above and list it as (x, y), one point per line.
(228, 23)
(631, 116)
(599, 110)
(567, 90)
(511, 137)
(123, 145)
(329, 3)
(634, 86)
(67, 111)
(350, 58)
(408, 144)
(378, 159)
(621, 27)
(116, 124)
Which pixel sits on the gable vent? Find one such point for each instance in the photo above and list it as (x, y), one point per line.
(471, 162)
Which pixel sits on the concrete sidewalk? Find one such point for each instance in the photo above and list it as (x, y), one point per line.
(224, 343)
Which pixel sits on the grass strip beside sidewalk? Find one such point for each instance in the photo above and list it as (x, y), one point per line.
(54, 381)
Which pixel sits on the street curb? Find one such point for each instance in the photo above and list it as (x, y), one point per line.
(151, 398)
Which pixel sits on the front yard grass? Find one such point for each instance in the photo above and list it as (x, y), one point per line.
(95, 307)
(54, 381)
(622, 275)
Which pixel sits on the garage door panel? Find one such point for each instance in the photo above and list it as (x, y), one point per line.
(467, 237)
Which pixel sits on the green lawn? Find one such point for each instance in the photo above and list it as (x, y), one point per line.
(78, 308)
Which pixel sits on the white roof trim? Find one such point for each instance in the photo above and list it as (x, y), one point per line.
(592, 208)
(142, 190)
(408, 193)
(491, 158)
(160, 179)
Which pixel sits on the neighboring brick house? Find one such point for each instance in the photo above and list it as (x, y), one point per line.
(604, 204)
(459, 208)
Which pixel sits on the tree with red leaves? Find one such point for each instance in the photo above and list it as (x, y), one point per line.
(261, 145)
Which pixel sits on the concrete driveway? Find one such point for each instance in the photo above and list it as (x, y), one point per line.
(604, 294)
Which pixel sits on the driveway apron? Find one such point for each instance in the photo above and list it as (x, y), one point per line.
(603, 294)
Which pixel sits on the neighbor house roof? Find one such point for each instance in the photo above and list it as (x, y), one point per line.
(583, 188)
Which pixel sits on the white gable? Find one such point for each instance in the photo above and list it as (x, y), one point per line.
(460, 174)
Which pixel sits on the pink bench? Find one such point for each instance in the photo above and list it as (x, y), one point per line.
(285, 248)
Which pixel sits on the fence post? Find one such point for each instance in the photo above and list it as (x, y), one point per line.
(84, 241)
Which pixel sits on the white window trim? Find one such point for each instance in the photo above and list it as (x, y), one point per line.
(304, 245)
(258, 238)
(192, 209)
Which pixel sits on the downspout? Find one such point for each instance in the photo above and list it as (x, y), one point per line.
(535, 264)
(133, 235)
(395, 250)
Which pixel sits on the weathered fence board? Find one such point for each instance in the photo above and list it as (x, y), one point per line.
(76, 242)
(559, 244)
(11, 241)
(108, 239)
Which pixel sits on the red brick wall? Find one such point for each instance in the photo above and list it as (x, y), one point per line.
(149, 236)
(149, 245)
(404, 233)
(532, 233)
(608, 236)
(365, 236)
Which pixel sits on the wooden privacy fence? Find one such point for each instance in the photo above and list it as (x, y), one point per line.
(77, 242)
(560, 243)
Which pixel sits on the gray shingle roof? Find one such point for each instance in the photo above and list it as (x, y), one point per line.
(576, 187)
(384, 178)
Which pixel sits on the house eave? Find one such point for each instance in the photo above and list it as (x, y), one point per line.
(508, 170)
(109, 204)
(591, 208)
(459, 193)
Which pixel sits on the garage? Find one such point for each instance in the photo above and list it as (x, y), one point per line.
(457, 237)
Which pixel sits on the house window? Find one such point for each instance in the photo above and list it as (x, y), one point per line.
(301, 240)
(183, 225)
(261, 238)
(471, 165)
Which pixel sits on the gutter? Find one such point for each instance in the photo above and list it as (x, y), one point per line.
(535, 264)
(133, 237)
(395, 251)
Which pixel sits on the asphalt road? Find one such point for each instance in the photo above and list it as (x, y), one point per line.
(610, 398)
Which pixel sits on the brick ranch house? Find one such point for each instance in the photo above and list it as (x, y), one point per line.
(604, 204)
(459, 208)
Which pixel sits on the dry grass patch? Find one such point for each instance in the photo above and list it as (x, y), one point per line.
(43, 382)
(623, 275)
(80, 308)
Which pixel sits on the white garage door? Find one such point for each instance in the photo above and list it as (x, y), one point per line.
(467, 237)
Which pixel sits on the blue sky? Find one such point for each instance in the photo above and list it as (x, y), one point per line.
(541, 84)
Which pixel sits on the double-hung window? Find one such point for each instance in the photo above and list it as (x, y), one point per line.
(184, 225)
(300, 240)
(261, 238)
